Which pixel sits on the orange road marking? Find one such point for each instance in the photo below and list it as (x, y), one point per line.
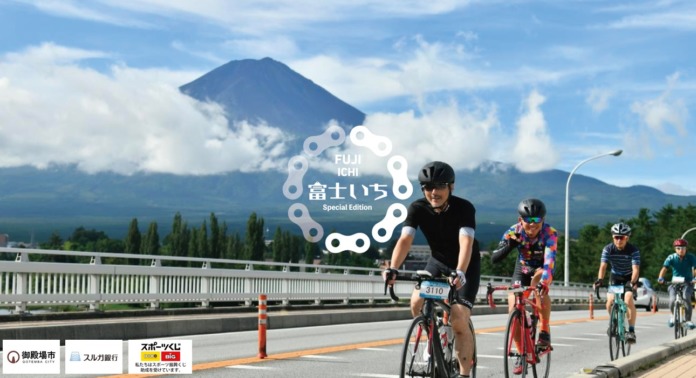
(339, 348)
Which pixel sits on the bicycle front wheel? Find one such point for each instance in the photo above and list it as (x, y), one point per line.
(474, 359)
(616, 343)
(677, 320)
(417, 355)
(515, 361)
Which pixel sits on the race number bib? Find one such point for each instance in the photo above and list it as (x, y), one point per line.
(615, 289)
(434, 290)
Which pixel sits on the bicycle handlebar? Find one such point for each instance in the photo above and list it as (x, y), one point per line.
(490, 289)
(627, 285)
(419, 278)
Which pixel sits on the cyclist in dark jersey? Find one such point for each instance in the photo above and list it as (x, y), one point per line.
(448, 223)
(536, 243)
(624, 258)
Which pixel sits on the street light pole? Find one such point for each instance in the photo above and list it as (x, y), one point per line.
(686, 232)
(566, 264)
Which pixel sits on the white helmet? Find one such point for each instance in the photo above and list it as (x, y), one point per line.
(620, 229)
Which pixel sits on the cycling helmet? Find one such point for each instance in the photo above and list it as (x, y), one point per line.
(620, 229)
(436, 172)
(531, 207)
(680, 243)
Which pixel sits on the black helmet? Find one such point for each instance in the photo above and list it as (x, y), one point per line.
(531, 207)
(436, 172)
(620, 229)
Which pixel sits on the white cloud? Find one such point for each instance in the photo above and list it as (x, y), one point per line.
(533, 150)
(461, 136)
(684, 20)
(598, 99)
(54, 111)
(662, 120)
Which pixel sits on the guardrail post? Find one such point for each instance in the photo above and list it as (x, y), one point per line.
(205, 286)
(21, 283)
(263, 317)
(654, 303)
(94, 287)
(155, 282)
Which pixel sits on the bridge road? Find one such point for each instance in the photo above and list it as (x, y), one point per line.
(373, 349)
(375, 352)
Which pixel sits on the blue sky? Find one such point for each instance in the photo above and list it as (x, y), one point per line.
(537, 84)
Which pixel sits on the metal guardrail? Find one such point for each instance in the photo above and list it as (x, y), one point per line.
(25, 281)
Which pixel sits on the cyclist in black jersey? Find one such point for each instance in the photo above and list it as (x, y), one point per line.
(448, 223)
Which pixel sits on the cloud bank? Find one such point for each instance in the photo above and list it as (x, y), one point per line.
(54, 111)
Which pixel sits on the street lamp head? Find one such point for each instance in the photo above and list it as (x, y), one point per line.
(617, 152)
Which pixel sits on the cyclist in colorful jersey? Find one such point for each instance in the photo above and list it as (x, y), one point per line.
(683, 265)
(624, 258)
(536, 243)
(448, 223)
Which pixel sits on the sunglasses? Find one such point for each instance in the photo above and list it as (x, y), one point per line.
(437, 185)
(532, 219)
(619, 237)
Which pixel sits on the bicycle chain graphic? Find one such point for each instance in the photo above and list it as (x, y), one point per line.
(298, 165)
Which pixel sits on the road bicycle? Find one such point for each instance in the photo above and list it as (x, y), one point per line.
(618, 320)
(680, 327)
(522, 326)
(428, 349)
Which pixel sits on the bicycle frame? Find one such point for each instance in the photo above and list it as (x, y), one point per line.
(617, 318)
(679, 311)
(525, 333)
(428, 316)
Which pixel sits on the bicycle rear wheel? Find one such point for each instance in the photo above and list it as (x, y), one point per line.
(513, 357)
(542, 367)
(417, 356)
(616, 345)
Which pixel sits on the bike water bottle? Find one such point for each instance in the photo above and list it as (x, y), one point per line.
(447, 337)
(529, 321)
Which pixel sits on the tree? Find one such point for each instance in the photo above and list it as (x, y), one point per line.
(215, 242)
(133, 238)
(151, 243)
(254, 244)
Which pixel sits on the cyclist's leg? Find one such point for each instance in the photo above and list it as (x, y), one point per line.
(545, 313)
(416, 302)
(672, 298)
(461, 313)
(688, 290)
(631, 306)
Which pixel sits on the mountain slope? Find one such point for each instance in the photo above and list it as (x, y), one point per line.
(265, 89)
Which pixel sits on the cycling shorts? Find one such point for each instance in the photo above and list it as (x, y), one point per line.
(621, 280)
(523, 274)
(466, 295)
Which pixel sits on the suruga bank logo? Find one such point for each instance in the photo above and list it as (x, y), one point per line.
(362, 137)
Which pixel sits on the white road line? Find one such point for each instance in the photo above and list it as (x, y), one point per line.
(488, 356)
(574, 338)
(321, 357)
(376, 349)
(250, 367)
